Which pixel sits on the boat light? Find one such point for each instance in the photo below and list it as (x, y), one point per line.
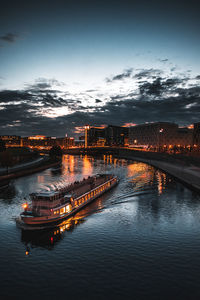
(25, 205)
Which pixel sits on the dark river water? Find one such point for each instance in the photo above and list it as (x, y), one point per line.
(141, 240)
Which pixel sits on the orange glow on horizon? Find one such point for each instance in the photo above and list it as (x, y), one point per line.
(129, 125)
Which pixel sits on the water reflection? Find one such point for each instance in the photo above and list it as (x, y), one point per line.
(144, 233)
(144, 193)
(49, 237)
(87, 166)
(8, 194)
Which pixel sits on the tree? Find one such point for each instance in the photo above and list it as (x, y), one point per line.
(2, 146)
(55, 152)
(7, 159)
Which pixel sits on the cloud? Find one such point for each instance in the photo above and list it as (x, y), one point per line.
(9, 37)
(147, 73)
(41, 109)
(126, 74)
(163, 60)
(160, 86)
(154, 89)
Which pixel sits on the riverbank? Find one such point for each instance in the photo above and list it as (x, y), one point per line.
(186, 169)
(45, 164)
(188, 175)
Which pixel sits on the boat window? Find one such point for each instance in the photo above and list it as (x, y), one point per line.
(67, 208)
(62, 210)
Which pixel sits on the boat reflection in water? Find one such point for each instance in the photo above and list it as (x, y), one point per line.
(48, 237)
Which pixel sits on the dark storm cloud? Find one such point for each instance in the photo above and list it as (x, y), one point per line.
(183, 109)
(125, 74)
(198, 77)
(11, 96)
(35, 101)
(9, 37)
(45, 85)
(154, 89)
(160, 85)
(166, 99)
(147, 73)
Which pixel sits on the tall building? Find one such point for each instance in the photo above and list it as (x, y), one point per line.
(109, 136)
(115, 135)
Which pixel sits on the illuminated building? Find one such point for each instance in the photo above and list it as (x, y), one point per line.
(108, 136)
(43, 142)
(115, 135)
(95, 136)
(11, 140)
(160, 134)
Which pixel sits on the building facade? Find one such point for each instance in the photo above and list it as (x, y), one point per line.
(11, 140)
(43, 142)
(108, 136)
(160, 134)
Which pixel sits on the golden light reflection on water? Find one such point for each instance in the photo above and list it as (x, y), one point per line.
(161, 178)
(140, 174)
(144, 174)
(87, 166)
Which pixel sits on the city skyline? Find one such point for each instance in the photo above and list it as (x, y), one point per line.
(64, 65)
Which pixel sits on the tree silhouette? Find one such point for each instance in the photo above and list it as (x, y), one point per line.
(7, 159)
(55, 152)
(2, 146)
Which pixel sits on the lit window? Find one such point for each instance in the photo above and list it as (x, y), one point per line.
(62, 210)
(67, 208)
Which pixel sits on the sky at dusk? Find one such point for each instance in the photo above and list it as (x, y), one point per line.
(64, 64)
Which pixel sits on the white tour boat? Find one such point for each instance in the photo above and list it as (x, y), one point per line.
(53, 206)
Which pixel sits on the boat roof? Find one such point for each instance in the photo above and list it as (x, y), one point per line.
(46, 193)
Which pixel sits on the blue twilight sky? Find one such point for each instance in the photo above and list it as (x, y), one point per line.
(67, 63)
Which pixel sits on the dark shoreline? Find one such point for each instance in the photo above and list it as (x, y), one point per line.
(29, 171)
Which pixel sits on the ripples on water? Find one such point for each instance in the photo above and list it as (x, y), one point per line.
(141, 240)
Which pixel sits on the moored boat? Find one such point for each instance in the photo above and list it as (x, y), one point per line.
(53, 206)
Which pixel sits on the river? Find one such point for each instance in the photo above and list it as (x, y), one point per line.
(140, 240)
